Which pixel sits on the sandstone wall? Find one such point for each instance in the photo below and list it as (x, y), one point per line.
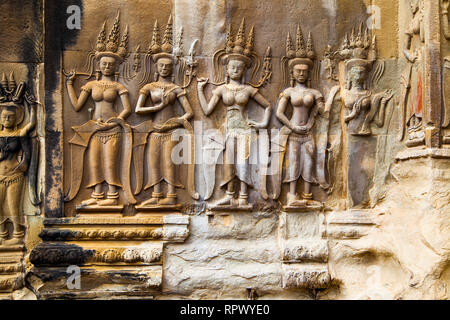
(379, 230)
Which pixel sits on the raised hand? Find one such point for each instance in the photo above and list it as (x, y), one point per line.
(202, 82)
(257, 125)
(388, 94)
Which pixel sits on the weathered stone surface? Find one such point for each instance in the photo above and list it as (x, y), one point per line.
(358, 207)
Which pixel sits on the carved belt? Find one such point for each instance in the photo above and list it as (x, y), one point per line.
(234, 108)
(166, 136)
(300, 138)
(104, 137)
(10, 179)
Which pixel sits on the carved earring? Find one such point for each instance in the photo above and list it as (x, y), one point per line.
(156, 76)
(98, 74)
(291, 79)
(116, 76)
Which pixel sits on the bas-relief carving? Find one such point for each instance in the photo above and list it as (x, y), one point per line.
(301, 151)
(106, 134)
(238, 131)
(412, 80)
(446, 72)
(18, 156)
(159, 133)
(361, 107)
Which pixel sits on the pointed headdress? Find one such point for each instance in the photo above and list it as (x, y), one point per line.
(239, 49)
(165, 49)
(358, 49)
(111, 46)
(303, 54)
(13, 95)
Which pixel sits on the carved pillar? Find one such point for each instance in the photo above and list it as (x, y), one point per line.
(304, 250)
(433, 80)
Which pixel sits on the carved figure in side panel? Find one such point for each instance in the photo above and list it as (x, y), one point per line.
(446, 72)
(18, 157)
(412, 78)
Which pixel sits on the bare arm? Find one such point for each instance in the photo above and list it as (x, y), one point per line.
(77, 103)
(126, 106)
(282, 104)
(188, 113)
(30, 126)
(207, 108)
(324, 109)
(268, 109)
(382, 99)
(312, 117)
(406, 50)
(141, 109)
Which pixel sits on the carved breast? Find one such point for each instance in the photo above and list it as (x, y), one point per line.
(100, 93)
(302, 100)
(233, 96)
(352, 98)
(156, 95)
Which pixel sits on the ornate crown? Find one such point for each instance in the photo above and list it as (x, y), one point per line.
(302, 54)
(13, 95)
(166, 49)
(240, 48)
(111, 47)
(358, 49)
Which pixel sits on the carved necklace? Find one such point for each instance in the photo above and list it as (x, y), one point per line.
(164, 86)
(105, 85)
(234, 88)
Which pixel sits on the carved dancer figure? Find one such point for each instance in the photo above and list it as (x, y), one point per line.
(107, 132)
(235, 95)
(298, 148)
(446, 71)
(361, 106)
(158, 132)
(412, 78)
(17, 157)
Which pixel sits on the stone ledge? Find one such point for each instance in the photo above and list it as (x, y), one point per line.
(423, 153)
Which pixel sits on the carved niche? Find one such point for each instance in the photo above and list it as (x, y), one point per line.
(446, 73)
(18, 157)
(19, 150)
(412, 80)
